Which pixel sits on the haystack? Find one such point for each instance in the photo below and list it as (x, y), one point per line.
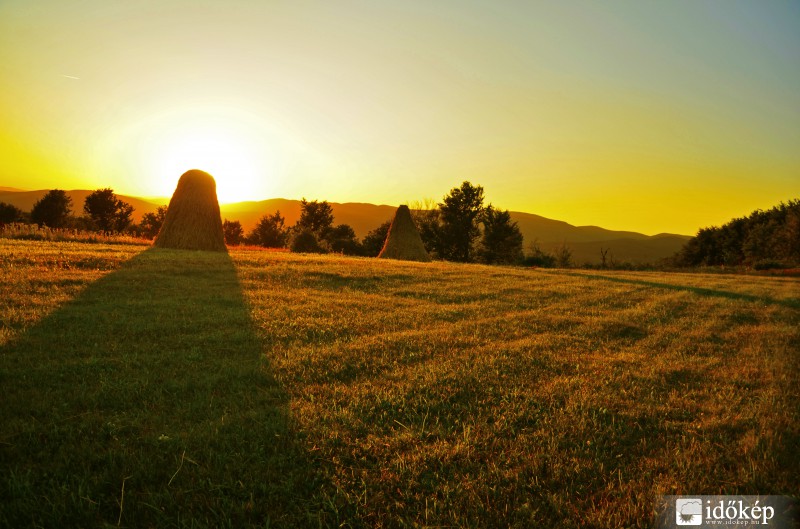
(193, 221)
(403, 240)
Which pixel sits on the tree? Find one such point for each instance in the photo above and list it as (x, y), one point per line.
(502, 241)
(233, 232)
(604, 256)
(459, 215)
(107, 210)
(563, 256)
(342, 239)
(373, 242)
(151, 222)
(316, 217)
(53, 209)
(315, 232)
(9, 213)
(304, 241)
(269, 232)
(538, 257)
(764, 238)
(425, 215)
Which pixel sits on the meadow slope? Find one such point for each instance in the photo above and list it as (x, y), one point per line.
(162, 388)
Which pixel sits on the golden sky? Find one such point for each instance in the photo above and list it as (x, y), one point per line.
(654, 117)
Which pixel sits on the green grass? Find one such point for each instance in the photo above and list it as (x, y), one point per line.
(154, 388)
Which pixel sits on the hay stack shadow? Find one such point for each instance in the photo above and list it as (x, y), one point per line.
(150, 384)
(403, 240)
(193, 220)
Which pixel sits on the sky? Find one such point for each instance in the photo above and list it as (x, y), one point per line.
(645, 116)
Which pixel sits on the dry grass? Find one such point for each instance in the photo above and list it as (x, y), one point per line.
(472, 396)
(33, 232)
(193, 220)
(389, 393)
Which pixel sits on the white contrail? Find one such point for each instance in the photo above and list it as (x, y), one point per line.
(70, 76)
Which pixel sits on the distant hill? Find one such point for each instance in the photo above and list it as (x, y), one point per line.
(622, 250)
(363, 218)
(585, 242)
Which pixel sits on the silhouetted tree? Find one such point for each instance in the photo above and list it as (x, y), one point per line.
(270, 232)
(304, 241)
(10, 213)
(425, 215)
(373, 242)
(342, 239)
(563, 256)
(763, 238)
(604, 256)
(233, 232)
(459, 215)
(502, 241)
(538, 257)
(151, 222)
(107, 211)
(316, 217)
(53, 209)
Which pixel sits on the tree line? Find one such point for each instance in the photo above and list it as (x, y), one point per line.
(763, 239)
(103, 211)
(460, 228)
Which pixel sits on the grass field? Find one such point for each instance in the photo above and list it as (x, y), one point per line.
(158, 388)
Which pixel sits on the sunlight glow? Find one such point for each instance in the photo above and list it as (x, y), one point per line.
(224, 148)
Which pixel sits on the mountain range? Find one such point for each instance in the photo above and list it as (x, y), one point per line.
(585, 242)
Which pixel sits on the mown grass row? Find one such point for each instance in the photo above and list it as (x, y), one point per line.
(287, 390)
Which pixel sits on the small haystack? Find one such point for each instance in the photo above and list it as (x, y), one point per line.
(193, 221)
(403, 240)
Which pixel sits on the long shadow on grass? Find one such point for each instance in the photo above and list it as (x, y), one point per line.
(792, 303)
(147, 401)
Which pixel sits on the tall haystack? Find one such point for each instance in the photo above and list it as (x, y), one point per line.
(403, 240)
(193, 221)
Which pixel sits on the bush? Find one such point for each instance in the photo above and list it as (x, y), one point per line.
(770, 265)
(342, 239)
(233, 232)
(10, 213)
(538, 257)
(374, 240)
(305, 242)
(270, 232)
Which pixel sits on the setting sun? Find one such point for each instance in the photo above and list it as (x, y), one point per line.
(229, 155)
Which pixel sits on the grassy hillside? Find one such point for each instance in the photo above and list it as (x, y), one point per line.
(146, 387)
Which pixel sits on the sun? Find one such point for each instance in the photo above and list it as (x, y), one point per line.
(220, 155)
(224, 148)
(219, 152)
